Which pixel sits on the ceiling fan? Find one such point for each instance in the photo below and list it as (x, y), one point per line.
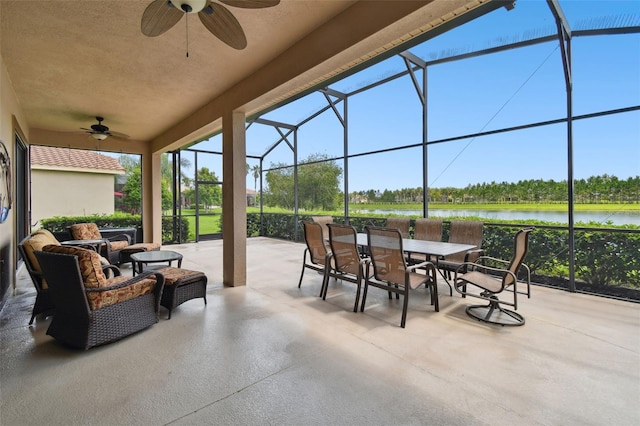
(162, 15)
(100, 132)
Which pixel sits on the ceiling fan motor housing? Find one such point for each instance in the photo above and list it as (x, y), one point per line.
(189, 6)
(100, 128)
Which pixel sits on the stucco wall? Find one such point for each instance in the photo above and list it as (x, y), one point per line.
(9, 110)
(70, 193)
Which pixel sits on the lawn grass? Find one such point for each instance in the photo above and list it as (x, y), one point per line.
(210, 223)
(496, 207)
(442, 206)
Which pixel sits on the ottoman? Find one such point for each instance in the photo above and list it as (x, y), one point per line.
(181, 285)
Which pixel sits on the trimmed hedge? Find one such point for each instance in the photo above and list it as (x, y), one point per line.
(59, 224)
(607, 260)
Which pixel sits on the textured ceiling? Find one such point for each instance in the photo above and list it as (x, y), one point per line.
(69, 61)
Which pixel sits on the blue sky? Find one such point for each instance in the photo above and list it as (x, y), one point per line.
(489, 92)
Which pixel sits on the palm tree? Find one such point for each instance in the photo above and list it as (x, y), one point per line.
(256, 174)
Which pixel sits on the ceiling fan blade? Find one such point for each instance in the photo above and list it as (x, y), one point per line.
(251, 4)
(222, 24)
(118, 135)
(159, 17)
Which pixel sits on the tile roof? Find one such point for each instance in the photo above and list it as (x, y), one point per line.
(73, 158)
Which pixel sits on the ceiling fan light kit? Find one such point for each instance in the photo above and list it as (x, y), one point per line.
(189, 6)
(99, 136)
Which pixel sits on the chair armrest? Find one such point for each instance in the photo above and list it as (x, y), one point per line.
(430, 275)
(113, 269)
(473, 266)
(468, 254)
(131, 281)
(87, 246)
(494, 259)
(120, 237)
(505, 262)
(419, 265)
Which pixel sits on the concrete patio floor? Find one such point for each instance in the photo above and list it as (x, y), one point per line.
(272, 354)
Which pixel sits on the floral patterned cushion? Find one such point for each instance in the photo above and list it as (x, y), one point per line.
(85, 231)
(118, 245)
(139, 247)
(178, 275)
(102, 299)
(88, 261)
(94, 278)
(36, 242)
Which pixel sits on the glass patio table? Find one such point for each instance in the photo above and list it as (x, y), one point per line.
(435, 249)
(154, 256)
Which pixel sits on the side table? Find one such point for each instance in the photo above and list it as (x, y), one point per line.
(93, 244)
(155, 256)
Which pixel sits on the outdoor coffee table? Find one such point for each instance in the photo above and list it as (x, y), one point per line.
(155, 256)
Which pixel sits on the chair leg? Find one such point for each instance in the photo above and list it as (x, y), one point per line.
(364, 296)
(491, 313)
(433, 287)
(405, 306)
(304, 263)
(355, 305)
(325, 283)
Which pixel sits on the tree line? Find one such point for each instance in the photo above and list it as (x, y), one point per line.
(319, 187)
(594, 190)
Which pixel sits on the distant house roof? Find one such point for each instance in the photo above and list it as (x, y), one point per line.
(47, 157)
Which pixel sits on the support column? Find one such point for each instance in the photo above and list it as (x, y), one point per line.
(151, 197)
(234, 200)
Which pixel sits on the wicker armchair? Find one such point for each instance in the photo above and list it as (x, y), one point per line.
(92, 310)
(117, 249)
(27, 248)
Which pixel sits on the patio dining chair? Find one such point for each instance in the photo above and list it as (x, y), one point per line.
(323, 221)
(428, 230)
(463, 232)
(390, 270)
(402, 224)
(346, 262)
(492, 281)
(316, 250)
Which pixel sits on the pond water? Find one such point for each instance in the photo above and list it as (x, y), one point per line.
(616, 218)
